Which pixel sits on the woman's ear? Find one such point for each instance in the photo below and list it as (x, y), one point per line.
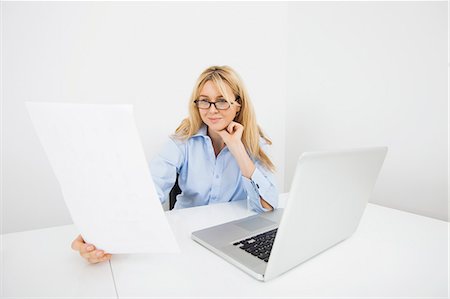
(238, 100)
(238, 110)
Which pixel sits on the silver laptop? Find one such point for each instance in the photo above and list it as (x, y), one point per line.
(328, 195)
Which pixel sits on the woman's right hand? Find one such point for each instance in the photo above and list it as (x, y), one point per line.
(89, 252)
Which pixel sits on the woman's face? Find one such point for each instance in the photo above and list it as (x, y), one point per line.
(214, 118)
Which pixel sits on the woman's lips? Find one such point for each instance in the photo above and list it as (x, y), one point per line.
(214, 120)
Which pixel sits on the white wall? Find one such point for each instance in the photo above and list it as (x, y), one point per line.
(148, 55)
(321, 75)
(374, 73)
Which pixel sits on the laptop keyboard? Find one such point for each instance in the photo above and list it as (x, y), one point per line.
(259, 245)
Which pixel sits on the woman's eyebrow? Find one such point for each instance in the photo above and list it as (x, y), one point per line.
(221, 96)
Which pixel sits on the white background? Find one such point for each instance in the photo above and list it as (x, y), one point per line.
(369, 73)
(321, 75)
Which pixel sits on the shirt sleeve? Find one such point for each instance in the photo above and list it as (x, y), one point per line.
(261, 184)
(165, 166)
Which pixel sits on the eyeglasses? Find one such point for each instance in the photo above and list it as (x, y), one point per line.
(219, 105)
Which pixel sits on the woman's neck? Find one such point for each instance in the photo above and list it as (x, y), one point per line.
(216, 140)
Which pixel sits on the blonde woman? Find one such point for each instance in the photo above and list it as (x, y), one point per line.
(217, 153)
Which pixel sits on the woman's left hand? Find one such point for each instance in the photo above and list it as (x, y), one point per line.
(232, 134)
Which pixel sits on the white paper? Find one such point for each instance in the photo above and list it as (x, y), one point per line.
(97, 156)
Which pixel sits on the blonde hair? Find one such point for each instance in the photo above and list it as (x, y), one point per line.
(221, 75)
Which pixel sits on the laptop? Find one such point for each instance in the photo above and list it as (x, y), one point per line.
(328, 195)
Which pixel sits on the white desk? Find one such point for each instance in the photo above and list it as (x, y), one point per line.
(392, 254)
(40, 263)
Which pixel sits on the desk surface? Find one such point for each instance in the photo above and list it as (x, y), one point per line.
(392, 254)
(40, 263)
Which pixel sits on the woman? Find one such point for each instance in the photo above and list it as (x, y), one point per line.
(217, 153)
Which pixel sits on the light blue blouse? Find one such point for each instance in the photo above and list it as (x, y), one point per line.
(207, 179)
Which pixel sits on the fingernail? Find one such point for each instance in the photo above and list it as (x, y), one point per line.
(99, 254)
(90, 247)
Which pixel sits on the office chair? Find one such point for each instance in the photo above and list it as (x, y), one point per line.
(173, 194)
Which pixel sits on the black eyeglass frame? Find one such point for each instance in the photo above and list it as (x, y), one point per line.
(214, 103)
